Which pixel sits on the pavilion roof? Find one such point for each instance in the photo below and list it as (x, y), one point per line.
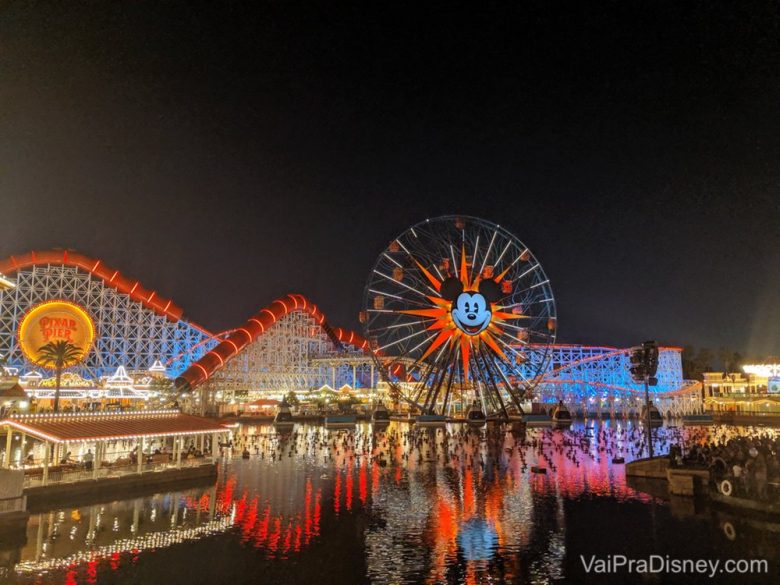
(11, 389)
(71, 427)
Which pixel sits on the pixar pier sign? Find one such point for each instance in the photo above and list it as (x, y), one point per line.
(53, 321)
(57, 328)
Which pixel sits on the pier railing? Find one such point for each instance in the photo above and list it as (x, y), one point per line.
(11, 505)
(34, 478)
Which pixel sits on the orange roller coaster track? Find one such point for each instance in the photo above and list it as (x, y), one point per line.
(111, 277)
(229, 343)
(253, 328)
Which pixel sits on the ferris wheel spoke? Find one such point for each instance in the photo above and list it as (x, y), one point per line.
(539, 301)
(399, 283)
(425, 379)
(397, 297)
(517, 339)
(404, 324)
(438, 374)
(541, 334)
(500, 257)
(448, 391)
(527, 272)
(511, 326)
(396, 326)
(490, 380)
(453, 352)
(397, 341)
(508, 384)
(423, 342)
(474, 260)
(517, 354)
(487, 254)
(437, 357)
(426, 273)
(533, 286)
(393, 260)
(454, 262)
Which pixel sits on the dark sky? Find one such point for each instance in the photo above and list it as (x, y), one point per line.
(227, 155)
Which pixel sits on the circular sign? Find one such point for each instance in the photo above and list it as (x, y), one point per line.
(54, 321)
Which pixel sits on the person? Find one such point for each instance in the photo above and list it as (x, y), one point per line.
(761, 476)
(88, 459)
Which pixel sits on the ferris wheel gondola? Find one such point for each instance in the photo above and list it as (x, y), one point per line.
(457, 309)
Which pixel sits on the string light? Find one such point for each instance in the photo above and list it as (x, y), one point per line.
(29, 424)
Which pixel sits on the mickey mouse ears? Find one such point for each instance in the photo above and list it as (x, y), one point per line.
(490, 290)
(452, 287)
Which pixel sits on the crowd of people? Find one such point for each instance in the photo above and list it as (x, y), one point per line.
(750, 459)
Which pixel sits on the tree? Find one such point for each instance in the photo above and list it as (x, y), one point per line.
(292, 399)
(704, 360)
(695, 363)
(690, 371)
(736, 361)
(58, 354)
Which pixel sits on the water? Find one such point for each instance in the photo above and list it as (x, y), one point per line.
(389, 507)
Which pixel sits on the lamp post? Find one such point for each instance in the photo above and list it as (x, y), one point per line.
(648, 421)
(644, 365)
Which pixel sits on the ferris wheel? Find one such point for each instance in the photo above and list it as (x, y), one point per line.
(456, 310)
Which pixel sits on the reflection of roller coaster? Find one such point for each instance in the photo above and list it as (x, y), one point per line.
(149, 541)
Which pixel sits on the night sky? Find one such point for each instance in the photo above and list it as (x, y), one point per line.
(227, 155)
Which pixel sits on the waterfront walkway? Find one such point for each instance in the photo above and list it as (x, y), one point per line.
(85, 447)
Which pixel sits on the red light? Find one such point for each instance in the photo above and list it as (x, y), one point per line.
(337, 493)
(202, 369)
(235, 347)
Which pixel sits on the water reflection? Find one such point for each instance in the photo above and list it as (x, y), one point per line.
(439, 505)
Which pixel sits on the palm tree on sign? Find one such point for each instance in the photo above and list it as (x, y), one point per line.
(58, 354)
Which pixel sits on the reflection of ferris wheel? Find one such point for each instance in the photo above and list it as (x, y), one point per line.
(457, 308)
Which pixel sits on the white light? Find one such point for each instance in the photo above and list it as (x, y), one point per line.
(762, 370)
(6, 282)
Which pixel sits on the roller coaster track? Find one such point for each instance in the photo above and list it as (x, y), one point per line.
(241, 337)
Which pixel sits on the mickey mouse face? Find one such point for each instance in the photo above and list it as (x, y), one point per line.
(471, 313)
(470, 310)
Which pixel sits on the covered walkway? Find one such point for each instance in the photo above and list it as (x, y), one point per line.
(56, 448)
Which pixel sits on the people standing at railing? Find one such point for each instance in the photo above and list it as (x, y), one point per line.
(88, 459)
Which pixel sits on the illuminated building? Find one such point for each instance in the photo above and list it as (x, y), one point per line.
(110, 438)
(756, 390)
